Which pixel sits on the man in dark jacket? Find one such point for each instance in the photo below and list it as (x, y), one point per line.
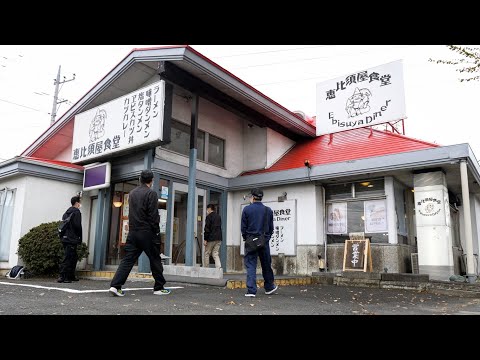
(70, 240)
(253, 222)
(212, 236)
(143, 236)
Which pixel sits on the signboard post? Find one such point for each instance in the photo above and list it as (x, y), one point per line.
(357, 255)
(363, 98)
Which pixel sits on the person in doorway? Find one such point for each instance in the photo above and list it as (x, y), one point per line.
(70, 240)
(212, 236)
(253, 222)
(143, 236)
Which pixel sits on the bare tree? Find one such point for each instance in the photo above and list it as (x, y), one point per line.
(468, 64)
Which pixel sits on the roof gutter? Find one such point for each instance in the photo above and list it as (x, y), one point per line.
(401, 161)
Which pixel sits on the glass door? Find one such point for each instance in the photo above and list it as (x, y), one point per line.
(179, 224)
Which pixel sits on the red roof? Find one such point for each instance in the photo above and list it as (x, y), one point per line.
(55, 162)
(346, 145)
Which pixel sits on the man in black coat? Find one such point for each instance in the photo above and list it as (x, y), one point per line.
(143, 236)
(212, 236)
(70, 240)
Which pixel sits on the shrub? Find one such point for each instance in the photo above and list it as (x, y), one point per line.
(42, 251)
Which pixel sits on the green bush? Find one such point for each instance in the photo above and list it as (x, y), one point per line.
(42, 251)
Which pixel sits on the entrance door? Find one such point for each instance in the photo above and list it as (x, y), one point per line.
(179, 224)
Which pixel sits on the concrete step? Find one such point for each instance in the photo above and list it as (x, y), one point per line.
(231, 281)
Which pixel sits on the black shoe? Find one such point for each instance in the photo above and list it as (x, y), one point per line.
(62, 280)
(75, 279)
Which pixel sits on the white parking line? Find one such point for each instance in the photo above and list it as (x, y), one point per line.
(74, 291)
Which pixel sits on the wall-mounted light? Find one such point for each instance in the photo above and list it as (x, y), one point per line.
(307, 164)
(117, 200)
(365, 183)
(283, 197)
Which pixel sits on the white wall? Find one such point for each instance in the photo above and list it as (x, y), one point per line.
(65, 155)
(17, 183)
(216, 121)
(277, 146)
(46, 200)
(254, 147)
(391, 214)
(320, 214)
(475, 206)
(309, 212)
(38, 201)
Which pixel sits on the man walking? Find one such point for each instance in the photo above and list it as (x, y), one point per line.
(144, 230)
(70, 239)
(212, 236)
(253, 222)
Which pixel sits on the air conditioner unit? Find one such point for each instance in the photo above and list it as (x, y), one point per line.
(415, 267)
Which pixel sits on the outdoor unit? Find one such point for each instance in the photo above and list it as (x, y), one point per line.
(415, 268)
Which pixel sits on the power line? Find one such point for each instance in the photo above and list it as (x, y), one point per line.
(24, 106)
(271, 51)
(314, 58)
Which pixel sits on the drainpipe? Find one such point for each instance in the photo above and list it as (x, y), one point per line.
(472, 277)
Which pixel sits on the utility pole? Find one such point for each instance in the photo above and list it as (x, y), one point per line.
(57, 82)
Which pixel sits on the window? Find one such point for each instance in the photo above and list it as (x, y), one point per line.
(369, 188)
(180, 140)
(216, 150)
(356, 207)
(7, 202)
(359, 189)
(180, 143)
(352, 219)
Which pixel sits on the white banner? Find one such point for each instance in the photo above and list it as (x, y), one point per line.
(124, 123)
(337, 218)
(375, 216)
(363, 98)
(284, 227)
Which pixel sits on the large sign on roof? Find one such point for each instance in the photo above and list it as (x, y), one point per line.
(127, 122)
(363, 98)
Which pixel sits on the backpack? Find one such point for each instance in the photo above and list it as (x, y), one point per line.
(63, 226)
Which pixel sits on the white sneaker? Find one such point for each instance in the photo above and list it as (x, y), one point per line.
(116, 292)
(163, 256)
(271, 291)
(162, 292)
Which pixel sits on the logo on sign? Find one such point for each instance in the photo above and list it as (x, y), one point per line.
(429, 206)
(357, 104)
(97, 126)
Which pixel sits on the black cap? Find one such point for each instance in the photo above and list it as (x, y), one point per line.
(257, 192)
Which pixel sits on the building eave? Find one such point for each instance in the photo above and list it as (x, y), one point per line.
(188, 56)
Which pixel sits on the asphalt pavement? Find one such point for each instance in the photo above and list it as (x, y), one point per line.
(91, 297)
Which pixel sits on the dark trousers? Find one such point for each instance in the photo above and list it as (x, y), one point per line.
(138, 242)
(69, 263)
(250, 261)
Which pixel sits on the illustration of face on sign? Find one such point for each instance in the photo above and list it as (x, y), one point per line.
(357, 104)
(97, 126)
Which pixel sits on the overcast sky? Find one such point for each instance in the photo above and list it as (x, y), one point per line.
(439, 108)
